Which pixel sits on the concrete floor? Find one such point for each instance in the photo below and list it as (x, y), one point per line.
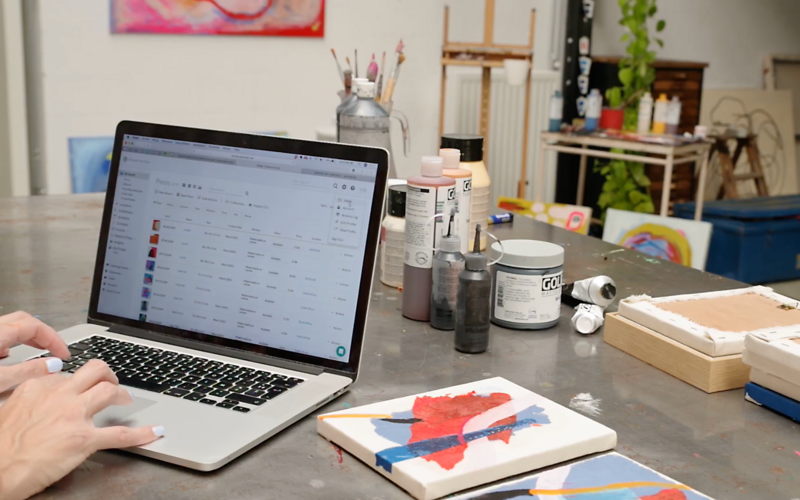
(788, 288)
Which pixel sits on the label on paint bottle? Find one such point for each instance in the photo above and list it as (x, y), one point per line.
(528, 299)
(422, 202)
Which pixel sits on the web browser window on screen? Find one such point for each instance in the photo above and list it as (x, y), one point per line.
(257, 246)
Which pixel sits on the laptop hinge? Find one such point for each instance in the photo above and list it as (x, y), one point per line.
(210, 348)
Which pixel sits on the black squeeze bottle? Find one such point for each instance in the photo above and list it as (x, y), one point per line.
(473, 306)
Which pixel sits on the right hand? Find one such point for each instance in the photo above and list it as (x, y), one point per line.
(46, 428)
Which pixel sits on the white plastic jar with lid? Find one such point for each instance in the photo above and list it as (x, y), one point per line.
(527, 280)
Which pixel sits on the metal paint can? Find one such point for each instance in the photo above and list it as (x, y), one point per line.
(527, 280)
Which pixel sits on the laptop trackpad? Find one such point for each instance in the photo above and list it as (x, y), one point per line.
(120, 415)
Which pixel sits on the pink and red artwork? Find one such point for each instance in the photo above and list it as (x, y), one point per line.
(302, 18)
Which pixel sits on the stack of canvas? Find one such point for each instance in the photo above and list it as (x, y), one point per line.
(774, 358)
(699, 338)
(440, 442)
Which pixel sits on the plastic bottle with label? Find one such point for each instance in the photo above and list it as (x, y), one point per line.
(594, 106)
(645, 113)
(428, 194)
(393, 238)
(448, 262)
(660, 115)
(471, 147)
(673, 115)
(556, 112)
(463, 178)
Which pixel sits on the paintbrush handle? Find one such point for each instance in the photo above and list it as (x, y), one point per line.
(386, 97)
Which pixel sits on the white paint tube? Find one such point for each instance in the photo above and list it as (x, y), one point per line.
(600, 290)
(588, 318)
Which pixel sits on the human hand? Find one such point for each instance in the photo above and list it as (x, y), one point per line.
(46, 428)
(22, 328)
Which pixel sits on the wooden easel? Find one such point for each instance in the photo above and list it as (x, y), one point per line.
(727, 164)
(489, 55)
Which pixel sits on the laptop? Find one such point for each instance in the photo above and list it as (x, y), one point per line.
(231, 285)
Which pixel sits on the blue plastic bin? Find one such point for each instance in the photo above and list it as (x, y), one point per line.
(756, 240)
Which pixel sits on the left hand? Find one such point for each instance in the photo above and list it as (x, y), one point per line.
(22, 328)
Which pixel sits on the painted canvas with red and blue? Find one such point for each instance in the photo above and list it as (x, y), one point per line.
(441, 442)
(302, 18)
(605, 477)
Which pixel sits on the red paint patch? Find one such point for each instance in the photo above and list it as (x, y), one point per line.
(446, 416)
(666, 495)
(339, 452)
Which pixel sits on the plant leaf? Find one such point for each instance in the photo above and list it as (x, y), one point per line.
(645, 207)
(625, 37)
(660, 42)
(625, 76)
(643, 66)
(652, 11)
(661, 25)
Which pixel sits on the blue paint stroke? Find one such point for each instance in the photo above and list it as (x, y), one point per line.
(390, 456)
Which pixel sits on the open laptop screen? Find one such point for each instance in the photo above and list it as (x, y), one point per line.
(260, 247)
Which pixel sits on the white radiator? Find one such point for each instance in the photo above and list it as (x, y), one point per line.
(505, 129)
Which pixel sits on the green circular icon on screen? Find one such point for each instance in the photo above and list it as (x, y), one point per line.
(340, 351)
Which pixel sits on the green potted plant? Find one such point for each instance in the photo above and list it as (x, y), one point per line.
(613, 115)
(626, 186)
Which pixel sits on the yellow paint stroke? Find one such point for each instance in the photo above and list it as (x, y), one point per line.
(608, 487)
(353, 415)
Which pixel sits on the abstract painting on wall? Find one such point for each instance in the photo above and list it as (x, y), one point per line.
(571, 217)
(444, 441)
(90, 161)
(677, 240)
(303, 18)
(605, 477)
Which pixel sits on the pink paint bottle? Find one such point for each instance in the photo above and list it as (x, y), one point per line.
(427, 195)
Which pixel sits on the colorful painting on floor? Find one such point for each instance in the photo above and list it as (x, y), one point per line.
(89, 162)
(681, 241)
(302, 18)
(441, 442)
(609, 476)
(571, 217)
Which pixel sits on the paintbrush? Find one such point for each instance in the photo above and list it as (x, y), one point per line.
(386, 97)
(338, 66)
(380, 78)
(355, 62)
(372, 70)
(347, 60)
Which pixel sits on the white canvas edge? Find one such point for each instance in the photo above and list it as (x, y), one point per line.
(780, 358)
(709, 341)
(699, 259)
(443, 487)
(775, 384)
(466, 496)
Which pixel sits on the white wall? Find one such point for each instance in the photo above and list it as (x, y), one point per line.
(93, 79)
(731, 35)
(14, 176)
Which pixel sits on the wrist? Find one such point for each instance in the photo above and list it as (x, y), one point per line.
(12, 476)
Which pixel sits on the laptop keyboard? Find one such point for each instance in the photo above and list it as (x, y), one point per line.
(205, 381)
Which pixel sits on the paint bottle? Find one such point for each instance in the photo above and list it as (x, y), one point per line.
(428, 194)
(448, 262)
(501, 218)
(393, 238)
(673, 115)
(473, 308)
(463, 178)
(594, 107)
(471, 147)
(645, 113)
(660, 115)
(556, 112)
(588, 318)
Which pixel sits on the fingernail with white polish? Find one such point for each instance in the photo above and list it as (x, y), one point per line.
(54, 365)
(158, 430)
(131, 393)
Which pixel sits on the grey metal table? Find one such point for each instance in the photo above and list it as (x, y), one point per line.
(719, 444)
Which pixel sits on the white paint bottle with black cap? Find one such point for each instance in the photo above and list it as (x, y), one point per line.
(427, 195)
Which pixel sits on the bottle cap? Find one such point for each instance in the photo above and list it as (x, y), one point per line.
(586, 323)
(475, 260)
(450, 243)
(471, 146)
(595, 92)
(397, 200)
(451, 157)
(432, 166)
(647, 95)
(365, 89)
(662, 97)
